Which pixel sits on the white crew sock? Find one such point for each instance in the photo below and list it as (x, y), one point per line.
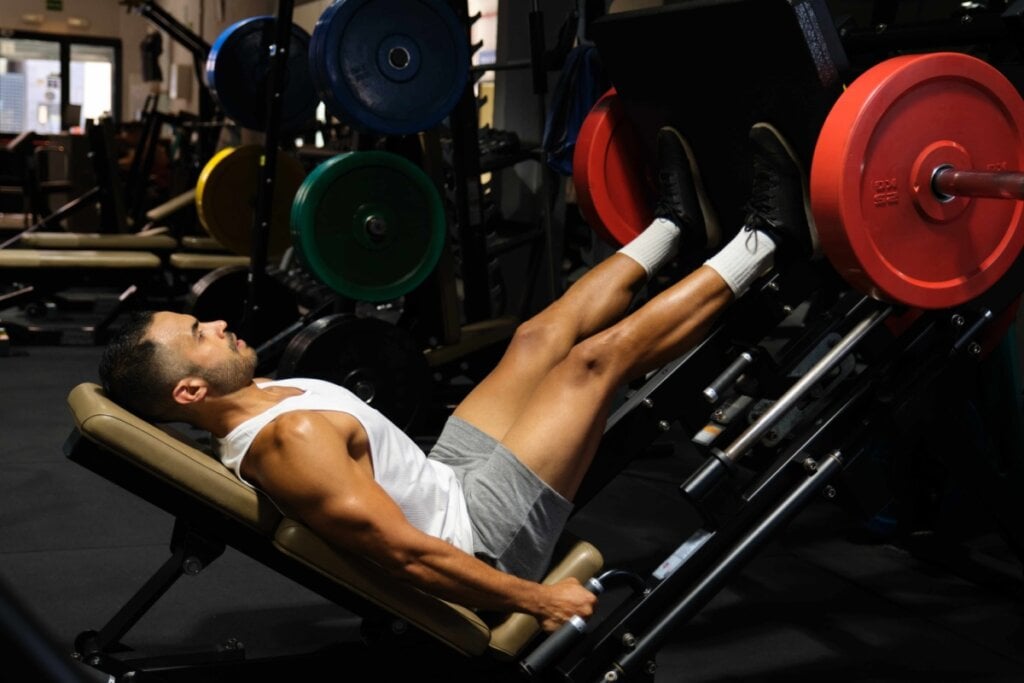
(745, 258)
(655, 246)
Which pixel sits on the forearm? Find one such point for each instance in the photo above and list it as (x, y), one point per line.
(445, 571)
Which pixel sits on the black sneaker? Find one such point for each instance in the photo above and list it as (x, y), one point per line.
(681, 196)
(779, 202)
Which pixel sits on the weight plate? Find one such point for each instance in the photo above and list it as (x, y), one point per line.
(369, 225)
(238, 74)
(221, 294)
(615, 189)
(881, 224)
(377, 361)
(226, 195)
(390, 66)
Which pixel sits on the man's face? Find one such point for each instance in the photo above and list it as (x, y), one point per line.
(224, 360)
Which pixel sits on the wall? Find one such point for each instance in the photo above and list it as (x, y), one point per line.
(205, 18)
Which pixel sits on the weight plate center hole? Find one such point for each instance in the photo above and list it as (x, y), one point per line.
(376, 228)
(399, 57)
(941, 196)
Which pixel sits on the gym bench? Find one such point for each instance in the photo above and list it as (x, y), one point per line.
(213, 509)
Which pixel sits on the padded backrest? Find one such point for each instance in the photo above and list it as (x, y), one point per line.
(155, 451)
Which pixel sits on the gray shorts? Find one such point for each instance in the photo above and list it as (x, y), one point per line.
(516, 517)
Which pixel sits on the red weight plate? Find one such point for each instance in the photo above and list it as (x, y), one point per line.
(881, 225)
(614, 187)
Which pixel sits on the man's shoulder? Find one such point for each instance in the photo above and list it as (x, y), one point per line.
(307, 425)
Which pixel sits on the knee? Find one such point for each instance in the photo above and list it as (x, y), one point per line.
(539, 336)
(600, 359)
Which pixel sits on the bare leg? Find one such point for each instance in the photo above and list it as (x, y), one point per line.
(558, 430)
(557, 434)
(683, 215)
(592, 303)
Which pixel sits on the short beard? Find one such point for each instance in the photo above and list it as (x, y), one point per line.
(228, 378)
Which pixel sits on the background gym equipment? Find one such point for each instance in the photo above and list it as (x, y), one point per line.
(370, 225)
(392, 67)
(226, 197)
(238, 68)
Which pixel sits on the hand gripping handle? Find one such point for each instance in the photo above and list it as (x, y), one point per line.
(559, 642)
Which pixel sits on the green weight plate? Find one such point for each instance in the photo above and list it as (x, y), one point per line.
(369, 225)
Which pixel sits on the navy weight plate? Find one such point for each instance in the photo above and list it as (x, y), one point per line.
(390, 66)
(238, 74)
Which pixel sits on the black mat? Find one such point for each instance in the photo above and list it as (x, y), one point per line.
(817, 604)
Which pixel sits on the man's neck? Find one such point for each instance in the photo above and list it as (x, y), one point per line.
(220, 414)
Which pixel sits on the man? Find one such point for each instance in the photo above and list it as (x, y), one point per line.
(474, 522)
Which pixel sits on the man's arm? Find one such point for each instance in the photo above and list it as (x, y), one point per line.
(302, 462)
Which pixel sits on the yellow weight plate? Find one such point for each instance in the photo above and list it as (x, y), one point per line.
(226, 198)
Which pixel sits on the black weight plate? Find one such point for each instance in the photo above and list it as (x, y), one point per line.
(377, 361)
(221, 295)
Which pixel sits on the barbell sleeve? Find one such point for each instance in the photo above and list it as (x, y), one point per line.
(948, 182)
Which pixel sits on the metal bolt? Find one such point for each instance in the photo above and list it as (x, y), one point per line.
(787, 309)
(974, 348)
(376, 228)
(398, 627)
(664, 425)
(650, 667)
(830, 492)
(647, 403)
(810, 465)
(719, 415)
(611, 677)
(629, 640)
(957, 320)
(192, 565)
(772, 286)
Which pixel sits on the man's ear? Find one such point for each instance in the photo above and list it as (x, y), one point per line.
(190, 390)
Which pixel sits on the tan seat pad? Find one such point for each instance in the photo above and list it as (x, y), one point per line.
(77, 258)
(183, 261)
(97, 240)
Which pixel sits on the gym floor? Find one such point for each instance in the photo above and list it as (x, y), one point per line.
(820, 602)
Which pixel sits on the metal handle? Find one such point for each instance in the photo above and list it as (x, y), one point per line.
(555, 645)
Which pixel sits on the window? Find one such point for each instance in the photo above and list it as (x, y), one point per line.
(50, 83)
(91, 91)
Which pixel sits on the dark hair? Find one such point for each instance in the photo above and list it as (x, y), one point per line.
(131, 373)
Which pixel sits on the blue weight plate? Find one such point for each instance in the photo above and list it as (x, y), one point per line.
(390, 66)
(238, 74)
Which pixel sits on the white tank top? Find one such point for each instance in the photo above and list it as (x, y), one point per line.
(427, 491)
